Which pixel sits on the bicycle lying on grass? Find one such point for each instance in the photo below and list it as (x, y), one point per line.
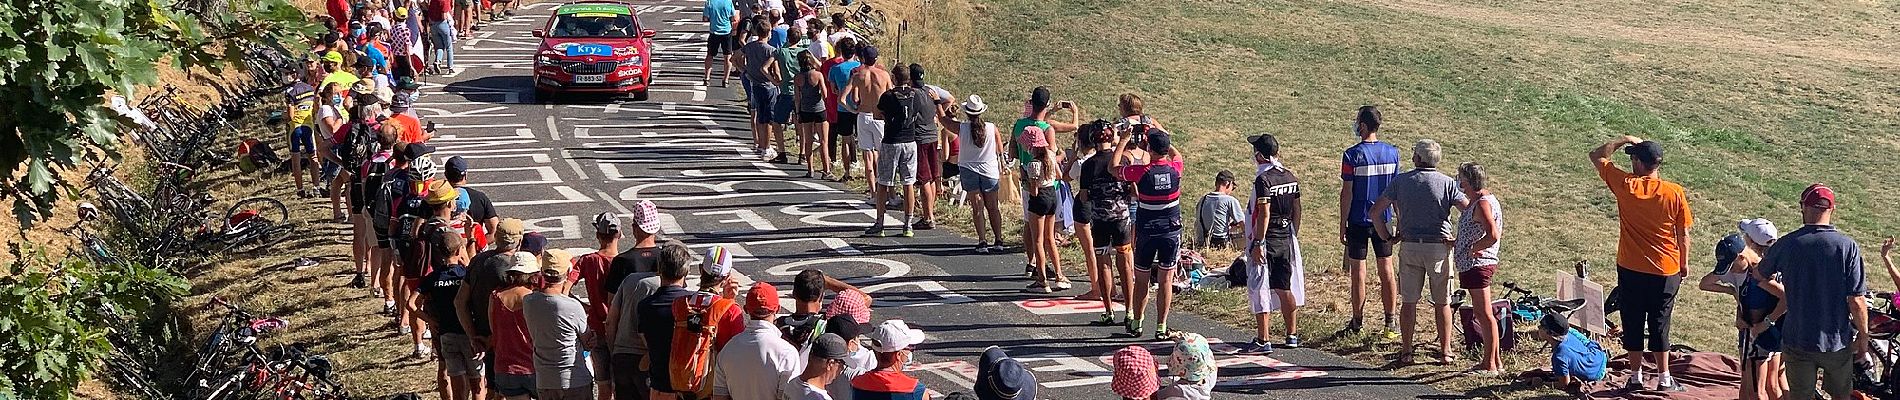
(1516, 305)
(231, 364)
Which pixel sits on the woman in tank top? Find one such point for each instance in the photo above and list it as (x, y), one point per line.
(1475, 254)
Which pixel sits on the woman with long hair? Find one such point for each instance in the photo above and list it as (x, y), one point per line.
(1039, 182)
(980, 170)
(813, 131)
(1035, 118)
(1760, 340)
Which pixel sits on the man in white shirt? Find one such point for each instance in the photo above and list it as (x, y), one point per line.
(827, 364)
(758, 362)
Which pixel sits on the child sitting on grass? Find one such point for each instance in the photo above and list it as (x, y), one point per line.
(1575, 360)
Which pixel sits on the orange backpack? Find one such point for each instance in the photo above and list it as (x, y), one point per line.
(695, 328)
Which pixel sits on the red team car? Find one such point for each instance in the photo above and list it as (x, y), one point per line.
(593, 47)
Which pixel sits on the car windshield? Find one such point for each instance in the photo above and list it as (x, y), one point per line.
(591, 25)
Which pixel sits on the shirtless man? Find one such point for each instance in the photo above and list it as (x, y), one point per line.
(868, 84)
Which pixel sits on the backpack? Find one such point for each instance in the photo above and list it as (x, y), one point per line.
(411, 211)
(919, 113)
(358, 143)
(421, 254)
(386, 197)
(695, 327)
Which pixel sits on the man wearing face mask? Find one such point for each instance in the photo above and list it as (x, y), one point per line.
(402, 113)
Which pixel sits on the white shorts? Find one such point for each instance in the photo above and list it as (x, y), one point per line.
(870, 132)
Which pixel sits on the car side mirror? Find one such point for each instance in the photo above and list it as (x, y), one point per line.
(540, 33)
(647, 33)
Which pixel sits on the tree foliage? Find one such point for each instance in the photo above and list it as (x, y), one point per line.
(60, 58)
(52, 328)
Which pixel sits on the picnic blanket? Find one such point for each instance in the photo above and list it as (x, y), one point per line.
(1704, 375)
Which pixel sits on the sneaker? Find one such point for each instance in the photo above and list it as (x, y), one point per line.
(1107, 319)
(1256, 347)
(1634, 383)
(1292, 341)
(390, 309)
(405, 330)
(1668, 384)
(908, 232)
(1132, 326)
(303, 263)
(1038, 287)
(781, 158)
(998, 248)
(874, 231)
(1063, 285)
(924, 225)
(1029, 270)
(1391, 334)
(982, 248)
(1162, 332)
(359, 282)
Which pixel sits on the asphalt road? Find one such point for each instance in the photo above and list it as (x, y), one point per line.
(687, 150)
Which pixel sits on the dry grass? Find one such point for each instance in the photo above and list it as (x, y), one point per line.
(1524, 87)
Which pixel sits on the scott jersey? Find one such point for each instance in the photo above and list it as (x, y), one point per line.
(1157, 197)
(1279, 190)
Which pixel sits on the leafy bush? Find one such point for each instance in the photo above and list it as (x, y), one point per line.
(57, 315)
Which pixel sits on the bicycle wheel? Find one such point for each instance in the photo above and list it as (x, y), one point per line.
(268, 210)
(877, 21)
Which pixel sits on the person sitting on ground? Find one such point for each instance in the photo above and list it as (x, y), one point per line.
(757, 363)
(1575, 360)
(514, 349)
(824, 366)
(1736, 257)
(1220, 214)
(557, 323)
(999, 377)
(1134, 377)
(892, 341)
(1192, 365)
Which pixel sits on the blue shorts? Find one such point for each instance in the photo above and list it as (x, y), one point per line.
(331, 169)
(761, 97)
(303, 141)
(1157, 252)
(782, 107)
(977, 183)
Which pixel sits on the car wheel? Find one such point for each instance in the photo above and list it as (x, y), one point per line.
(640, 96)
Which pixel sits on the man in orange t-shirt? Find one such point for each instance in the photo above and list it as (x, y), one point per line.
(1651, 253)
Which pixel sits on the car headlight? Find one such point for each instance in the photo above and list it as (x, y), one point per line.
(544, 61)
(636, 61)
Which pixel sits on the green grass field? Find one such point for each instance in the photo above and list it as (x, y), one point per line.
(1754, 99)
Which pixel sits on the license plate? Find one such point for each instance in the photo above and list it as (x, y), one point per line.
(590, 78)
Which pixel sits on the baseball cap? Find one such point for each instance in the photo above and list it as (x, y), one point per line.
(917, 74)
(455, 168)
(557, 261)
(762, 300)
(1649, 152)
(1158, 141)
(1134, 373)
(830, 346)
(363, 88)
(717, 262)
(407, 83)
(1726, 251)
(414, 151)
(606, 223)
(1758, 230)
(1265, 144)
(868, 53)
(646, 216)
(893, 336)
(402, 12)
(1000, 377)
(844, 326)
(508, 233)
(1817, 196)
(440, 192)
(333, 56)
(525, 262)
(534, 242)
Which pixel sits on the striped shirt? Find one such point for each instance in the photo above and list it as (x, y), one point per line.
(1370, 167)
